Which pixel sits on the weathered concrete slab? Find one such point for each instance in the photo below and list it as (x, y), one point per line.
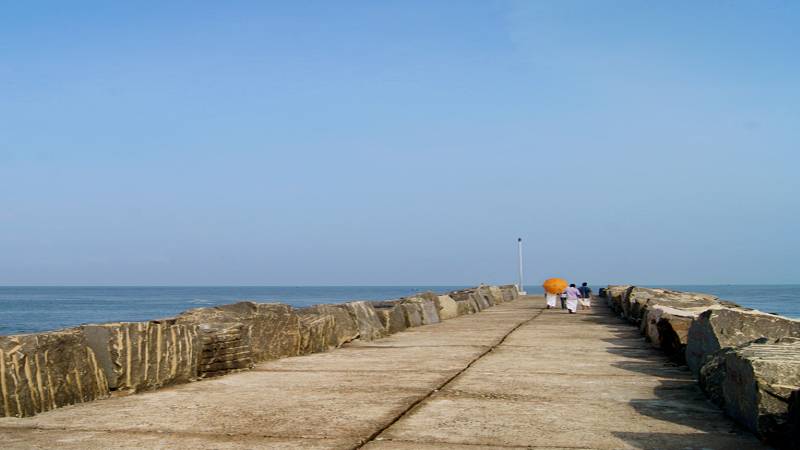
(101, 440)
(40, 372)
(569, 381)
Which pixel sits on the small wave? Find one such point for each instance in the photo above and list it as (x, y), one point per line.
(199, 301)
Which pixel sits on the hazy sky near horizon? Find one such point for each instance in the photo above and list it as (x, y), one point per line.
(362, 142)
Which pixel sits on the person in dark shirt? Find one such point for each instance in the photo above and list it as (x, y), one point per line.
(586, 296)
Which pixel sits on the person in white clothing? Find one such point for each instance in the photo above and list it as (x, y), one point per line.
(551, 299)
(573, 294)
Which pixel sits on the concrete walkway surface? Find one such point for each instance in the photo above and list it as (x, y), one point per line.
(513, 376)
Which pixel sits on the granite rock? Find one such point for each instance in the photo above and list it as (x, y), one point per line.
(236, 336)
(615, 296)
(40, 372)
(715, 329)
(510, 292)
(412, 313)
(367, 320)
(429, 314)
(448, 308)
(391, 315)
(759, 381)
(637, 300)
(145, 355)
(324, 327)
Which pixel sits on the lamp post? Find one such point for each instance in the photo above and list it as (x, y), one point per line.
(521, 286)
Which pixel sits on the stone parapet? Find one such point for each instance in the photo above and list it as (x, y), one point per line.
(39, 372)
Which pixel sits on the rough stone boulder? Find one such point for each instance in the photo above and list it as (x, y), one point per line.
(427, 308)
(716, 329)
(469, 297)
(495, 294)
(323, 327)
(367, 320)
(509, 292)
(615, 295)
(145, 355)
(667, 328)
(235, 336)
(465, 307)
(484, 297)
(448, 308)
(759, 381)
(637, 300)
(391, 315)
(40, 372)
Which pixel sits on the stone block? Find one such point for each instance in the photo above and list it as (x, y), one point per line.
(759, 381)
(324, 327)
(495, 294)
(429, 314)
(510, 292)
(465, 307)
(637, 300)
(413, 314)
(145, 355)
(369, 325)
(40, 372)
(448, 308)
(615, 296)
(484, 297)
(715, 329)
(391, 315)
(237, 335)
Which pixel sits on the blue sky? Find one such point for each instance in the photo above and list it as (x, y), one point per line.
(399, 142)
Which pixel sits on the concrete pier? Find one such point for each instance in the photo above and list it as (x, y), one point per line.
(513, 376)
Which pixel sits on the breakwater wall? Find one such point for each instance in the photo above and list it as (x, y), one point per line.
(43, 371)
(746, 361)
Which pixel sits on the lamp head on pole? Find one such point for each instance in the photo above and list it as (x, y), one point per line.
(519, 239)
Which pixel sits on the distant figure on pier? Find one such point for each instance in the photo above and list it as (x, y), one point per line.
(586, 296)
(573, 294)
(564, 300)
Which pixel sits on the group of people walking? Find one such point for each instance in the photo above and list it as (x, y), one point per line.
(571, 298)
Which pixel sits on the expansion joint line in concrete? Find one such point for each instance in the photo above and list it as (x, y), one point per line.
(446, 382)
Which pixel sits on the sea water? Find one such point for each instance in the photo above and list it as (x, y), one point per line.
(39, 308)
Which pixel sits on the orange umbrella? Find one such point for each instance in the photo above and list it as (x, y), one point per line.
(555, 285)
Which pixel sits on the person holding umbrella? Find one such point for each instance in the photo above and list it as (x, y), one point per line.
(553, 287)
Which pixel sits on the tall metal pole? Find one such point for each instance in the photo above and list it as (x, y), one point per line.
(521, 285)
